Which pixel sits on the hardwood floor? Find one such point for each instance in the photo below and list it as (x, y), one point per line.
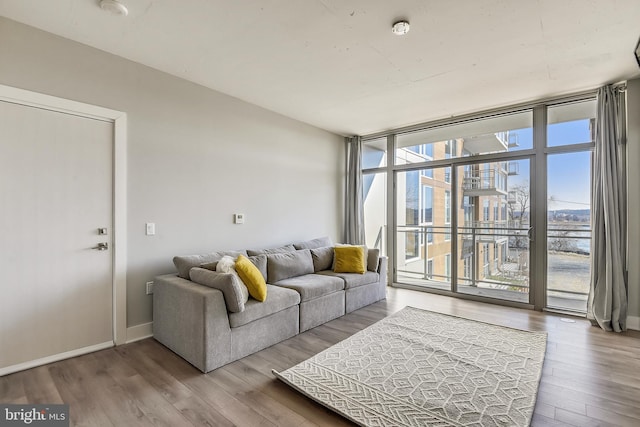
(590, 377)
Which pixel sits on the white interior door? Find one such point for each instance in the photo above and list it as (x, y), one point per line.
(56, 192)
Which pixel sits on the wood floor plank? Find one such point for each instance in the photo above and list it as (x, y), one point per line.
(590, 377)
(40, 388)
(273, 410)
(83, 409)
(199, 413)
(162, 380)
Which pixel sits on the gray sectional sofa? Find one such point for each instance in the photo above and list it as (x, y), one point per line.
(203, 323)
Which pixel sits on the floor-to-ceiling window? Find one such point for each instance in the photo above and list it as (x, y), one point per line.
(374, 159)
(464, 216)
(569, 140)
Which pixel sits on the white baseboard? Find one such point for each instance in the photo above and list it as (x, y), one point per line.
(633, 322)
(139, 332)
(54, 358)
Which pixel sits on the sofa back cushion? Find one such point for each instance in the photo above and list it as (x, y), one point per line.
(187, 262)
(260, 261)
(235, 293)
(278, 250)
(322, 258)
(288, 264)
(320, 242)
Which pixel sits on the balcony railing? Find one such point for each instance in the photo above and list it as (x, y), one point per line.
(476, 183)
(486, 231)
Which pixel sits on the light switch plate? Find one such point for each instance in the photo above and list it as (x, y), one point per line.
(150, 228)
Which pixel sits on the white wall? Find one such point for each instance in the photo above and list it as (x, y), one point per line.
(195, 157)
(633, 178)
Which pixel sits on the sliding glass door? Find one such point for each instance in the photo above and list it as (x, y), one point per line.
(494, 227)
(463, 225)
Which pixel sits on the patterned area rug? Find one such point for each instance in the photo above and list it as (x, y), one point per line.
(419, 368)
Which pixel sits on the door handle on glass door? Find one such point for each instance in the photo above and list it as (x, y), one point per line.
(530, 234)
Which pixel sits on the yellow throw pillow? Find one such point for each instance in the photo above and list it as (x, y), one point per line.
(251, 277)
(349, 259)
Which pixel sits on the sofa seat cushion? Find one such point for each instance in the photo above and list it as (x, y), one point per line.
(311, 286)
(278, 299)
(353, 280)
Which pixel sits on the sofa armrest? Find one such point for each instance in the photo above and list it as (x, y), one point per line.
(192, 321)
(382, 272)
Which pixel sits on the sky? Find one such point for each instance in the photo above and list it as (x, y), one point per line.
(568, 175)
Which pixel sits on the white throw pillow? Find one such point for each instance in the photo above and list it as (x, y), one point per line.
(227, 265)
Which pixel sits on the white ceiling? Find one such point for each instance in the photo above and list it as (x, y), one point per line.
(335, 63)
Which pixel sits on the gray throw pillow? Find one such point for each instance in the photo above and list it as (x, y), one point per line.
(260, 261)
(278, 250)
(187, 262)
(235, 294)
(288, 264)
(320, 242)
(209, 266)
(322, 258)
(373, 256)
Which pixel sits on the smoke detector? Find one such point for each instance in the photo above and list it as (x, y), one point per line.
(400, 28)
(114, 6)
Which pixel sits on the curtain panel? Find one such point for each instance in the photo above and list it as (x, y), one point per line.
(607, 303)
(354, 203)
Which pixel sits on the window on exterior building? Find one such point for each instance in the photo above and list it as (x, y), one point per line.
(468, 210)
(427, 211)
(467, 268)
(450, 149)
(447, 266)
(447, 213)
(412, 214)
(485, 210)
(413, 198)
(427, 172)
(430, 268)
(427, 204)
(485, 263)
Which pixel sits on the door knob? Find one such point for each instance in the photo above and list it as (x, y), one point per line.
(103, 246)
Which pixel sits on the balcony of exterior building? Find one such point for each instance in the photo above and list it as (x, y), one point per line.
(485, 182)
(489, 143)
(513, 168)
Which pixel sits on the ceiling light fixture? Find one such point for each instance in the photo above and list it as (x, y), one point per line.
(400, 28)
(114, 6)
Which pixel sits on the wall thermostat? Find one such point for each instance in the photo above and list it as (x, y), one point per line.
(238, 218)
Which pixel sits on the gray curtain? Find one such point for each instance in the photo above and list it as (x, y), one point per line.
(607, 304)
(354, 204)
